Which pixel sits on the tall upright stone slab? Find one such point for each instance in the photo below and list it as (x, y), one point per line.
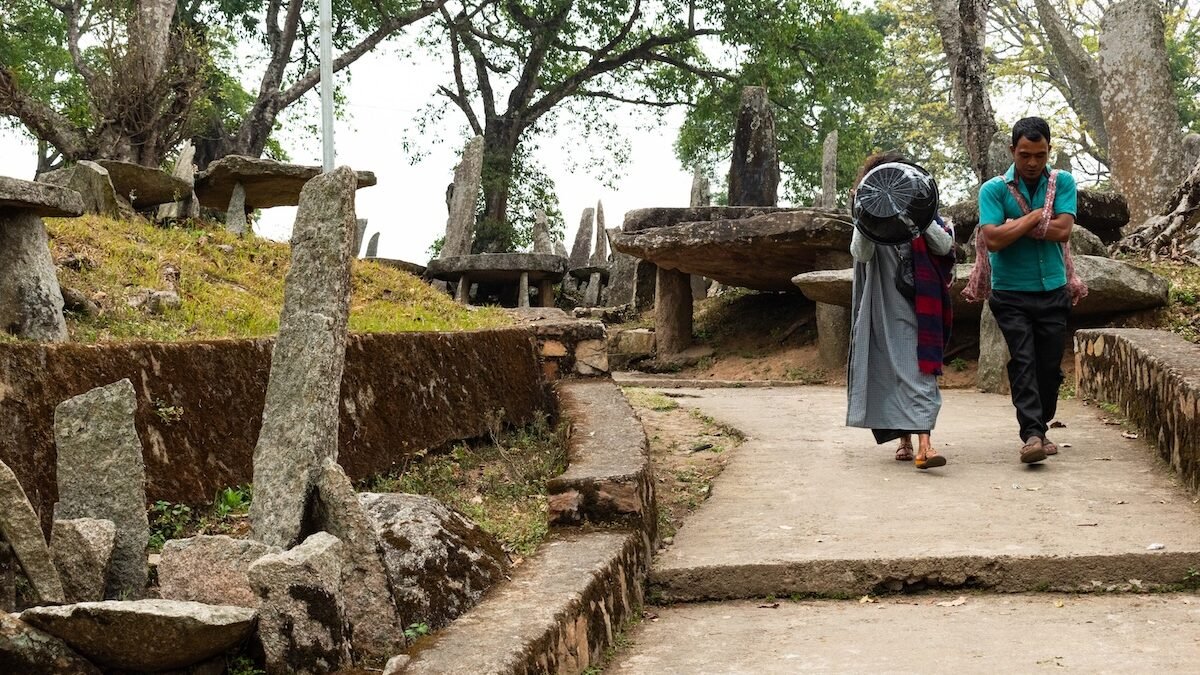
(101, 474)
(582, 250)
(185, 170)
(460, 228)
(300, 416)
(828, 199)
(600, 250)
(560, 249)
(1140, 114)
(541, 233)
(754, 171)
(622, 275)
(20, 529)
(373, 246)
(360, 230)
(701, 194)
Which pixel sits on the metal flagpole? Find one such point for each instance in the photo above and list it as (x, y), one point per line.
(327, 83)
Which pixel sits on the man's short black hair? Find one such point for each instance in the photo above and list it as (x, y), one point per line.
(1031, 129)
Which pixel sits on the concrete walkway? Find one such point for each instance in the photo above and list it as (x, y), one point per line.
(809, 507)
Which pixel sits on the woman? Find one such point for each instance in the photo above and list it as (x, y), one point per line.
(893, 367)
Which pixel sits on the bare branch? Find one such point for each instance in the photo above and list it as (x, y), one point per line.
(637, 101)
(39, 117)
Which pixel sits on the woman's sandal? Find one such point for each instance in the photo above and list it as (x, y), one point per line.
(904, 453)
(929, 462)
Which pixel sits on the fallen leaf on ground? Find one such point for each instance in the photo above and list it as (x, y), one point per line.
(1126, 434)
(865, 599)
(960, 600)
(1057, 425)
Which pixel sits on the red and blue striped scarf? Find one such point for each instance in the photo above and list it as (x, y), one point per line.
(932, 277)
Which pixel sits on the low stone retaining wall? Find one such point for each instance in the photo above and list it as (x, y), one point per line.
(200, 403)
(1154, 377)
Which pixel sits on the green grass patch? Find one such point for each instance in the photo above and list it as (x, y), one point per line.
(500, 483)
(1182, 314)
(226, 515)
(647, 398)
(231, 287)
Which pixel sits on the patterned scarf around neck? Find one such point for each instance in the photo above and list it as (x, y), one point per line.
(932, 277)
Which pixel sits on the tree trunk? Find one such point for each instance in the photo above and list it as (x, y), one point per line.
(962, 25)
(1082, 75)
(500, 139)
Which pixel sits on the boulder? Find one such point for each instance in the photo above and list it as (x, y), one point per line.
(82, 550)
(300, 415)
(94, 185)
(1085, 242)
(25, 650)
(213, 569)
(302, 620)
(145, 635)
(267, 183)
(144, 186)
(101, 474)
(366, 591)
(1103, 213)
(20, 528)
(1114, 287)
(439, 562)
(762, 252)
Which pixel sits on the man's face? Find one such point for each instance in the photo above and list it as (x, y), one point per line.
(1030, 157)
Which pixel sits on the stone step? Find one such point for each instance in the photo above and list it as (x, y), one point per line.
(922, 634)
(807, 505)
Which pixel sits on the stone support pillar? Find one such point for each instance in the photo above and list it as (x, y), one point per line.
(672, 312)
(833, 335)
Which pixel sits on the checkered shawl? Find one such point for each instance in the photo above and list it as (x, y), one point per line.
(932, 277)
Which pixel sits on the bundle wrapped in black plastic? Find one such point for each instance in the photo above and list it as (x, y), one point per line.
(895, 202)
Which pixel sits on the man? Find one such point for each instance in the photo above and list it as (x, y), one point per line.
(1030, 298)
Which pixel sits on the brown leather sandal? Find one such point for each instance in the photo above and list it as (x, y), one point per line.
(1050, 447)
(904, 453)
(929, 462)
(1033, 451)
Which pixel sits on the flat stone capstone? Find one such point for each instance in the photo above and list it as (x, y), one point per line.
(40, 199)
(148, 186)
(267, 183)
(498, 267)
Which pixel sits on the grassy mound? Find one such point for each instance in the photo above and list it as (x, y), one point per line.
(231, 287)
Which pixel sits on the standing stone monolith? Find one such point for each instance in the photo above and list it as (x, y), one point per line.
(300, 416)
(600, 250)
(622, 275)
(828, 199)
(373, 246)
(185, 169)
(235, 214)
(20, 529)
(560, 249)
(101, 474)
(754, 171)
(541, 233)
(460, 227)
(582, 250)
(360, 230)
(701, 194)
(1140, 113)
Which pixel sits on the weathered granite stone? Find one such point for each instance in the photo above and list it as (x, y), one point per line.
(1191, 151)
(701, 194)
(635, 342)
(762, 252)
(560, 249)
(300, 416)
(600, 250)
(145, 635)
(185, 170)
(160, 301)
(39, 199)
(498, 267)
(541, 233)
(267, 183)
(582, 250)
(370, 611)
(591, 295)
(82, 550)
(992, 376)
(31, 304)
(76, 301)
(93, 184)
(1114, 287)
(1103, 213)
(460, 227)
(213, 569)
(144, 186)
(301, 621)
(833, 335)
(591, 357)
(19, 527)
(645, 276)
(25, 650)
(101, 474)
(754, 171)
(235, 212)
(622, 275)
(828, 197)
(439, 562)
(8, 578)
(373, 246)
(412, 268)
(672, 312)
(1141, 118)
(360, 230)
(1000, 153)
(637, 220)
(1084, 242)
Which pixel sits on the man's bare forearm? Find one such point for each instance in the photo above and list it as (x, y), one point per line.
(1000, 237)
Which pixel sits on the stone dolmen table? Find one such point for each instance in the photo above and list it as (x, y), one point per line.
(412, 268)
(144, 186)
(513, 272)
(747, 246)
(236, 184)
(31, 301)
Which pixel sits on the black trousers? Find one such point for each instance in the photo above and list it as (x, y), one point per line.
(1034, 325)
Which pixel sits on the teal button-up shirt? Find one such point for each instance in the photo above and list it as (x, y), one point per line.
(1028, 264)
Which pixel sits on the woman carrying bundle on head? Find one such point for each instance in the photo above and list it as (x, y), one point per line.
(901, 309)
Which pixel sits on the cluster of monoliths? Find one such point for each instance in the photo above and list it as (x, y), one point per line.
(1145, 148)
(462, 197)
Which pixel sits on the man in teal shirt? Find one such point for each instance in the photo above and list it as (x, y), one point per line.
(1029, 296)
